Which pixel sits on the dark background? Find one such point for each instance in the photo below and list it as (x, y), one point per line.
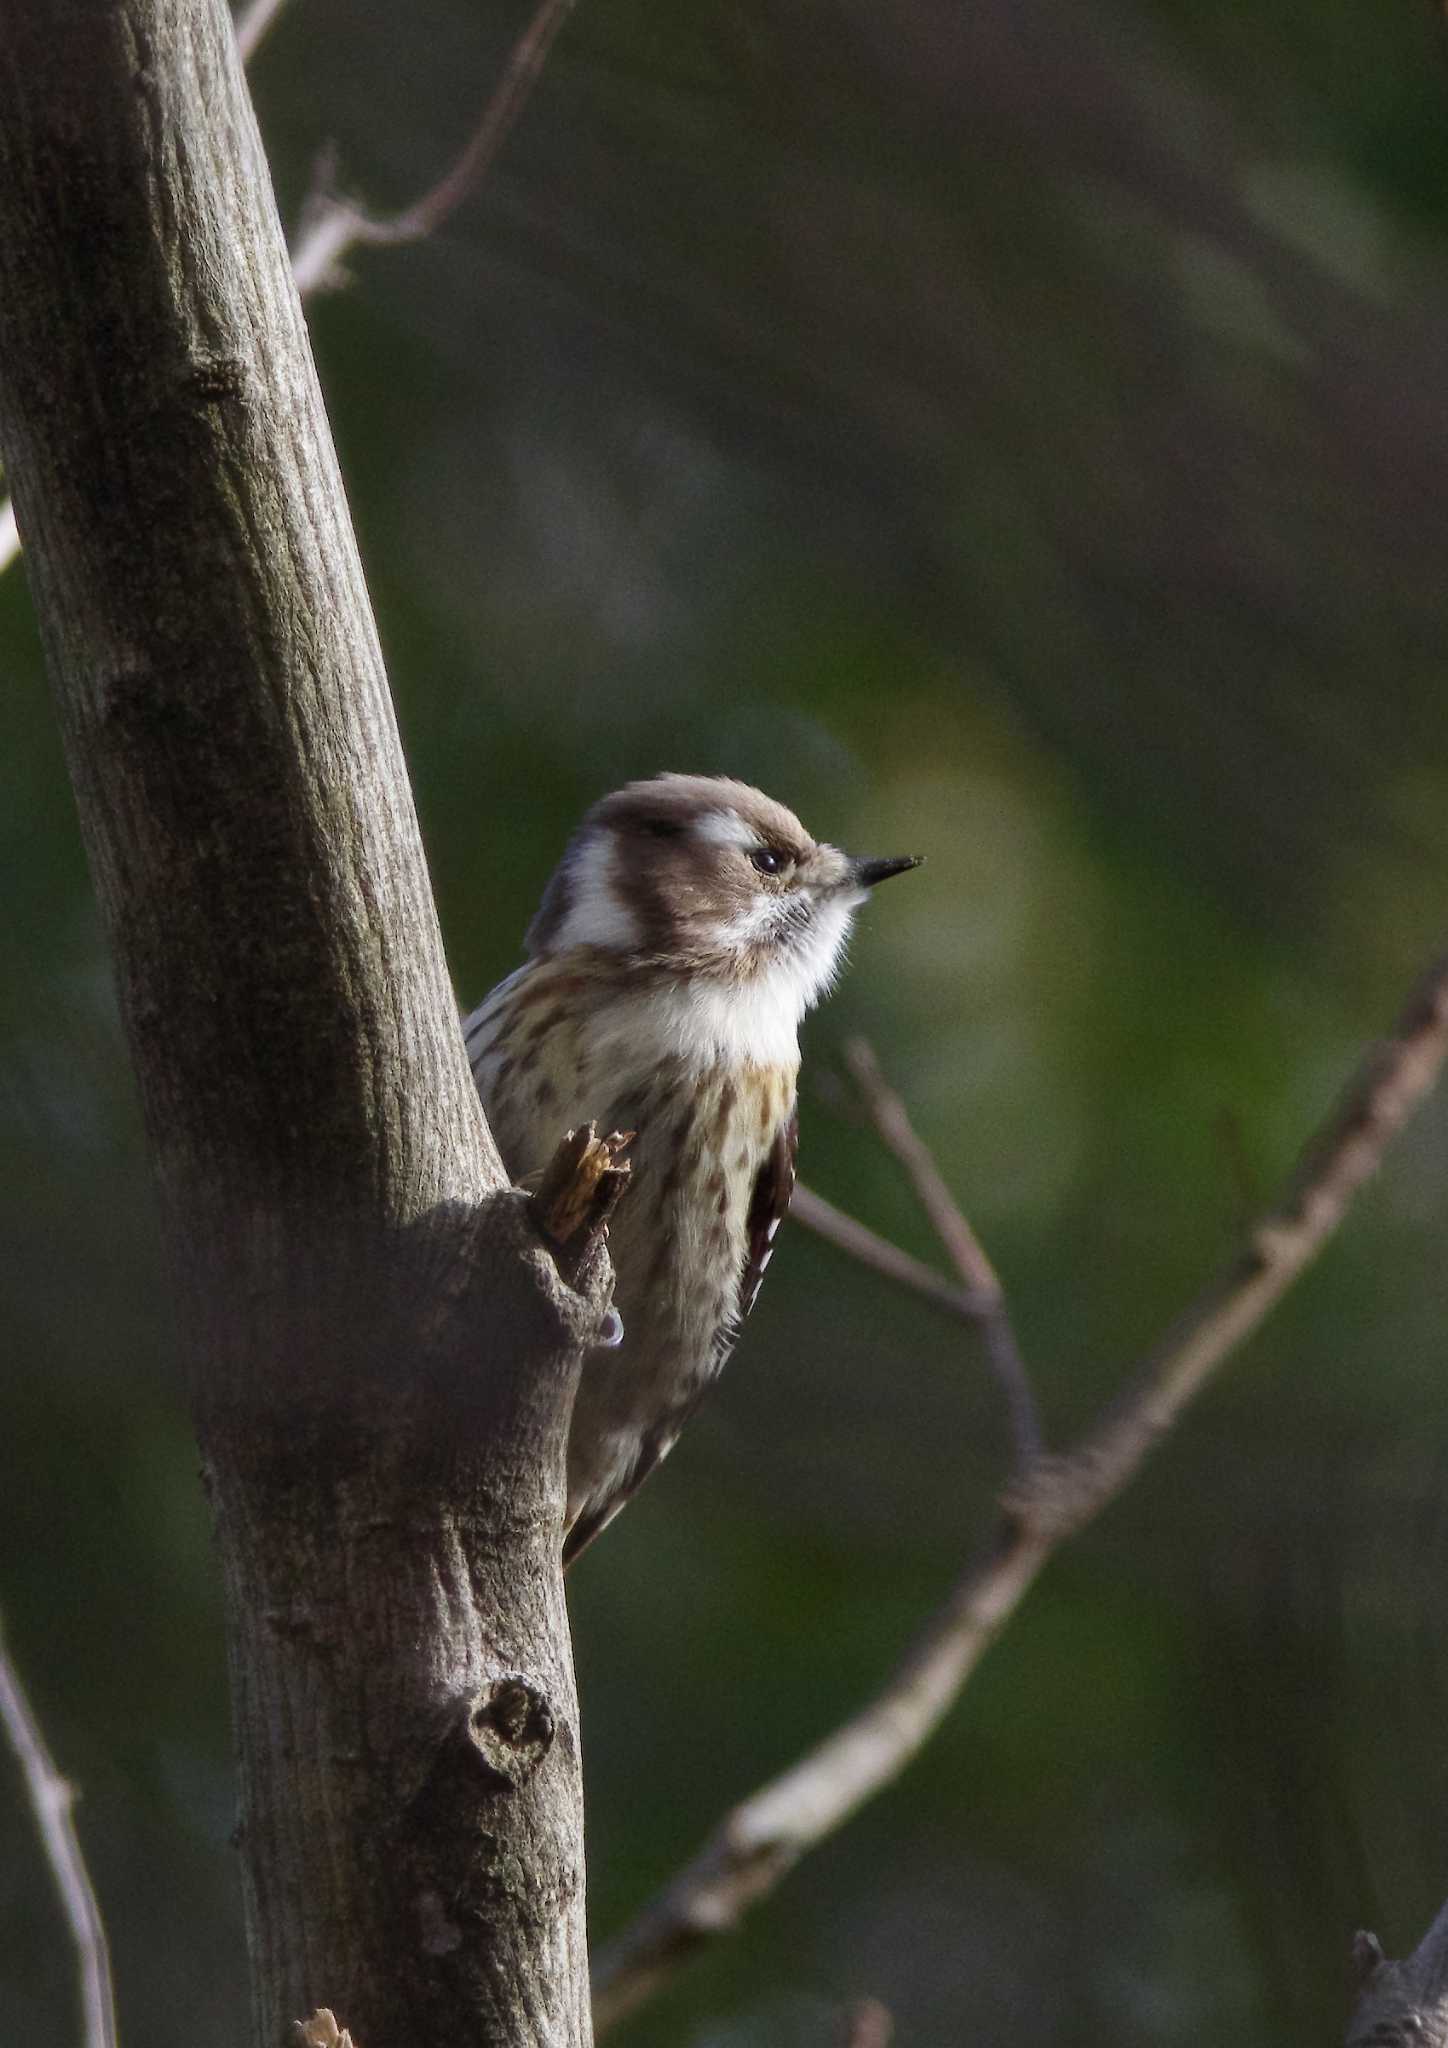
(1015, 432)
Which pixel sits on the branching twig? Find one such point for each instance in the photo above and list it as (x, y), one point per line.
(867, 1248)
(964, 1248)
(889, 1116)
(335, 225)
(762, 1838)
(52, 1799)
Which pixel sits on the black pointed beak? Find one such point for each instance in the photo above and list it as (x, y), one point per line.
(865, 872)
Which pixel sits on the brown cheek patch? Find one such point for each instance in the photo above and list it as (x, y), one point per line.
(645, 894)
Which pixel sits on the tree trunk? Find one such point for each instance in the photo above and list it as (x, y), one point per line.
(382, 1353)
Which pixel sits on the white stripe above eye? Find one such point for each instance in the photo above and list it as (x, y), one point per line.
(725, 828)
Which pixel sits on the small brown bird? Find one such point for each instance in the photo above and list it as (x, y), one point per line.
(687, 929)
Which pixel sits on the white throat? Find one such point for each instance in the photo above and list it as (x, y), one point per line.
(707, 1021)
(707, 1018)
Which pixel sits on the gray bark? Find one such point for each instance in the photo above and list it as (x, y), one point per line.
(1401, 2004)
(382, 1353)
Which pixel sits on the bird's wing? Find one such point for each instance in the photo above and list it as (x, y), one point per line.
(773, 1186)
(653, 1449)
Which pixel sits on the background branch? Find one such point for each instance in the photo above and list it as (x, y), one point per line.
(252, 24)
(52, 1801)
(761, 1839)
(868, 2025)
(962, 1246)
(867, 1248)
(333, 226)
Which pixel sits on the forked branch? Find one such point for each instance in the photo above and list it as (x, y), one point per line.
(333, 226)
(867, 1248)
(964, 1249)
(762, 1838)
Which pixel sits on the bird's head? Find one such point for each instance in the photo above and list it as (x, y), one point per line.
(697, 875)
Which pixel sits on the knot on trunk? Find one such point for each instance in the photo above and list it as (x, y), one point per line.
(510, 1728)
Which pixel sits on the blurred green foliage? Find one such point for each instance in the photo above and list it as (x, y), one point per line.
(1013, 432)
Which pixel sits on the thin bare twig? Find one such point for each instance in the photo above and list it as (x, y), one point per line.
(892, 1121)
(1390, 1082)
(9, 534)
(964, 1248)
(867, 1248)
(52, 1799)
(252, 24)
(766, 1835)
(334, 225)
(868, 2025)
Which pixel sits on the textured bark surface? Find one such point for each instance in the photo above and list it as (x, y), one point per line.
(1401, 2004)
(383, 1353)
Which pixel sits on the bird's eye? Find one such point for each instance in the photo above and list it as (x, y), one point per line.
(767, 860)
